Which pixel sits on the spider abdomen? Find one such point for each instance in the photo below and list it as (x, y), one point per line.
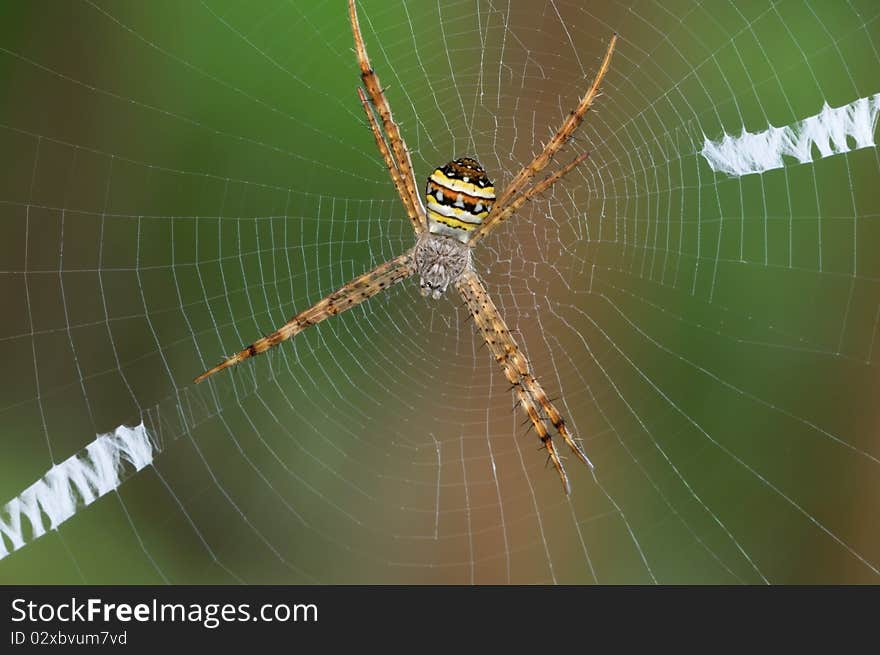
(459, 196)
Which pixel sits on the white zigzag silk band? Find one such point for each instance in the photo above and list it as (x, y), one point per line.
(830, 131)
(76, 482)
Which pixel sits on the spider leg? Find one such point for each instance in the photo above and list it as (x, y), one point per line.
(399, 185)
(495, 219)
(401, 157)
(530, 395)
(563, 134)
(350, 295)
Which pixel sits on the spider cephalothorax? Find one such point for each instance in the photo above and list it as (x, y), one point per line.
(460, 209)
(439, 261)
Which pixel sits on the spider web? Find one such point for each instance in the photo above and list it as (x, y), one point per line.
(181, 178)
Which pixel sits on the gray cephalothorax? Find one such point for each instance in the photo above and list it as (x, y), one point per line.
(439, 260)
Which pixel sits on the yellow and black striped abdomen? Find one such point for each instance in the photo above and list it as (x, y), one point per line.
(459, 196)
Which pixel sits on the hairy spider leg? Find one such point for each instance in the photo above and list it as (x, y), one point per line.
(401, 156)
(563, 134)
(529, 392)
(350, 295)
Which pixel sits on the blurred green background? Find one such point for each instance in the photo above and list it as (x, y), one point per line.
(181, 177)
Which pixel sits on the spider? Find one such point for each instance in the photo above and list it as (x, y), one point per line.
(460, 209)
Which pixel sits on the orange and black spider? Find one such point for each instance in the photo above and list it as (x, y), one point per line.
(460, 209)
